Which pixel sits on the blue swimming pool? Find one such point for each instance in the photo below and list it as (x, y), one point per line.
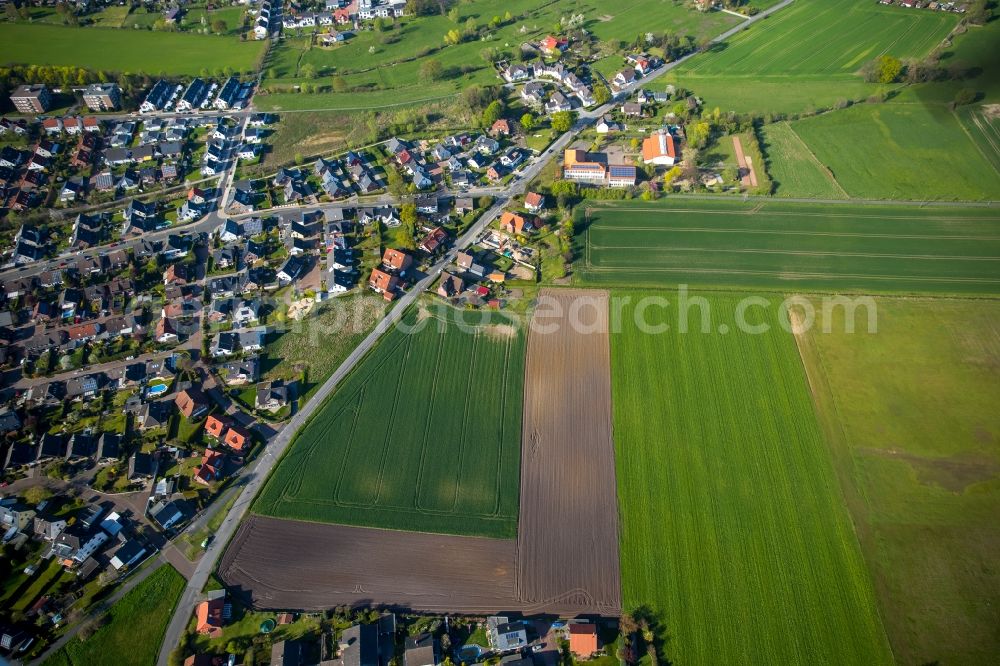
(156, 389)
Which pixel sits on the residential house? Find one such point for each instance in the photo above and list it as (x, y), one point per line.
(75, 544)
(271, 396)
(421, 650)
(243, 371)
(583, 639)
(209, 616)
(534, 202)
(291, 270)
(506, 636)
(167, 514)
(513, 223)
(383, 283)
(192, 403)
(238, 439)
(433, 240)
(141, 466)
(467, 262)
(450, 285)
(396, 261)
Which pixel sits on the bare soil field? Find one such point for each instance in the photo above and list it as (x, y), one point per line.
(288, 564)
(568, 527)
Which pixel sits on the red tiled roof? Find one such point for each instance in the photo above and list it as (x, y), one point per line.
(582, 639)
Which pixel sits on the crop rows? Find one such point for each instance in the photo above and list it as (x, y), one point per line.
(733, 528)
(787, 245)
(424, 435)
(825, 37)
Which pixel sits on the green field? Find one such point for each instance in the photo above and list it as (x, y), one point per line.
(130, 50)
(824, 37)
(733, 530)
(883, 151)
(807, 55)
(982, 125)
(911, 414)
(784, 245)
(424, 435)
(794, 168)
(134, 628)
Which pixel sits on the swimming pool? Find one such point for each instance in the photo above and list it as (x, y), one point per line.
(156, 389)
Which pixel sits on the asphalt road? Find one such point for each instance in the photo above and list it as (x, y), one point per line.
(253, 477)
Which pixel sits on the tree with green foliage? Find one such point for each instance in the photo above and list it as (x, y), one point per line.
(883, 69)
(394, 182)
(431, 70)
(35, 495)
(528, 122)
(601, 94)
(492, 113)
(562, 121)
(408, 222)
(219, 27)
(454, 16)
(308, 71)
(452, 37)
(470, 29)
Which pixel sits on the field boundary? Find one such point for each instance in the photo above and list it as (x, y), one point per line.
(824, 168)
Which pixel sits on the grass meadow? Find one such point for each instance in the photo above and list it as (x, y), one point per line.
(785, 245)
(903, 151)
(794, 168)
(129, 50)
(322, 341)
(424, 435)
(134, 629)
(911, 416)
(734, 532)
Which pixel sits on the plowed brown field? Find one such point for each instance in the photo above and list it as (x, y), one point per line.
(289, 564)
(568, 528)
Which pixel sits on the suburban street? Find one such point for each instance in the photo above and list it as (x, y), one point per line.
(263, 466)
(251, 478)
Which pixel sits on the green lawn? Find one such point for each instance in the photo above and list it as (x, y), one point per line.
(883, 151)
(911, 416)
(423, 435)
(784, 245)
(45, 580)
(132, 50)
(134, 629)
(733, 530)
(794, 168)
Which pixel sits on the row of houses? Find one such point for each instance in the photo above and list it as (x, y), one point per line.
(557, 72)
(267, 18)
(199, 94)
